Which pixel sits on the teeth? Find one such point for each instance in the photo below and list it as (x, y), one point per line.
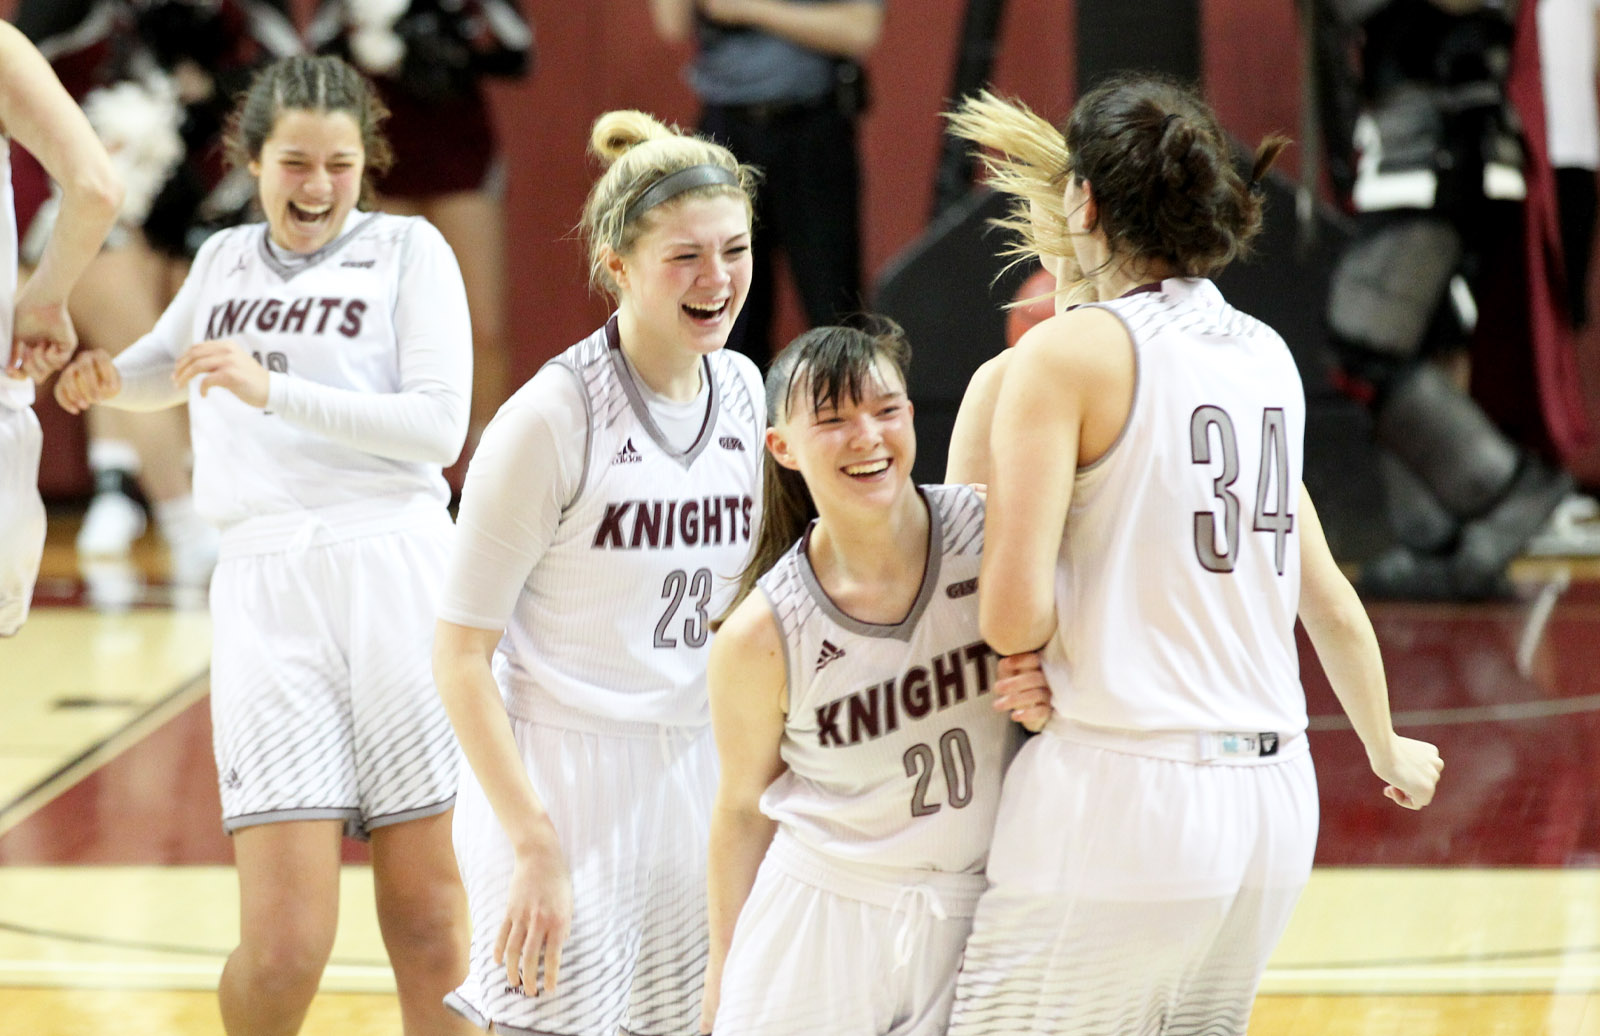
(706, 309)
(869, 468)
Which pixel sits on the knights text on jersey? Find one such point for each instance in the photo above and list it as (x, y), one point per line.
(614, 620)
(894, 749)
(331, 322)
(1178, 580)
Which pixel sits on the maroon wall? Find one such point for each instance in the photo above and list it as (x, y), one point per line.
(602, 54)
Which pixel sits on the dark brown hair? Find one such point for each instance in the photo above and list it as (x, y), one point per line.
(314, 83)
(824, 366)
(1162, 174)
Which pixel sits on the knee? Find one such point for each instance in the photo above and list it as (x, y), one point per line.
(287, 961)
(426, 927)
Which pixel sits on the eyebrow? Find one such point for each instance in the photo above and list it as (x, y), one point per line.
(291, 152)
(741, 238)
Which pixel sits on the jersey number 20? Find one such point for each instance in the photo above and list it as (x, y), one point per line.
(955, 752)
(1271, 516)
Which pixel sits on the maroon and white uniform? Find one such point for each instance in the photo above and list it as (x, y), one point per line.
(1152, 842)
(332, 508)
(895, 754)
(602, 527)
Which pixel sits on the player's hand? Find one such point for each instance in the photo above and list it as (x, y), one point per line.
(223, 363)
(89, 379)
(538, 917)
(1410, 768)
(42, 337)
(1022, 690)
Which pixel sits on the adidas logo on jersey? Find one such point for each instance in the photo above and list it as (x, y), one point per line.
(232, 779)
(830, 652)
(965, 588)
(731, 442)
(627, 455)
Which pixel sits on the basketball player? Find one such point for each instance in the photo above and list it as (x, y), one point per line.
(326, 358)
(609, 505)
(1151, 844)
(36, 112)
(861, 724)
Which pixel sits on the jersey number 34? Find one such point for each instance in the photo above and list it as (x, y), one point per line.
(1272, 486)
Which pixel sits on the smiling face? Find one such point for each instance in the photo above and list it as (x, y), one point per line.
(849, 449)
(308, 176)
(686, 278)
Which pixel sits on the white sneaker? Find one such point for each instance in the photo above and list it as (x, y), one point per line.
(1573, 530)
(111, 584)
(112, 523)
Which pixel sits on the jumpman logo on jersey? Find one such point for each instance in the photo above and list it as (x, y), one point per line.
(628, 454)
(830, 652)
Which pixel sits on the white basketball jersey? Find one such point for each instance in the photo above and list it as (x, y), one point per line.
(331, 322)
(14, 392)
(1178, 580)
(614, 620)
(895, 750)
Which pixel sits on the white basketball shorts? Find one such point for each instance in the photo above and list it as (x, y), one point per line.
(22, 519)
(322, 697)
(828, 946)
(1134, 893)
(632, 806)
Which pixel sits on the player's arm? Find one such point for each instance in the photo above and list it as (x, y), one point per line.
(1347, 647)
(426, 420)
(37, 112)
(539, 912)
(968, 459)
(1057, 367)
(748, 689)
(526, 469)
(842, 28)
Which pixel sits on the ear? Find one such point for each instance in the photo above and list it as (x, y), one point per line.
(778, 446)
(616, 266)
(254, 165)
(1091, 211)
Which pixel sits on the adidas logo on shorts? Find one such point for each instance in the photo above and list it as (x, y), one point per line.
(830, 652)
(628, 454)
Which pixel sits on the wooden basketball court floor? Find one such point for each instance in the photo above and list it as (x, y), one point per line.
(1480, 915)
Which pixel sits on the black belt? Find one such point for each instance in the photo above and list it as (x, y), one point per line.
(768, 112)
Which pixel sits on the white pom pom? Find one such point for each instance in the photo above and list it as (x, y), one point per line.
(377, 51)
(139, 121)
(365, 14)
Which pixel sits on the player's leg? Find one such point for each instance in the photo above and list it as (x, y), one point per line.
(288, 914)
(22, 517)
(406, 760)
(422, 913)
